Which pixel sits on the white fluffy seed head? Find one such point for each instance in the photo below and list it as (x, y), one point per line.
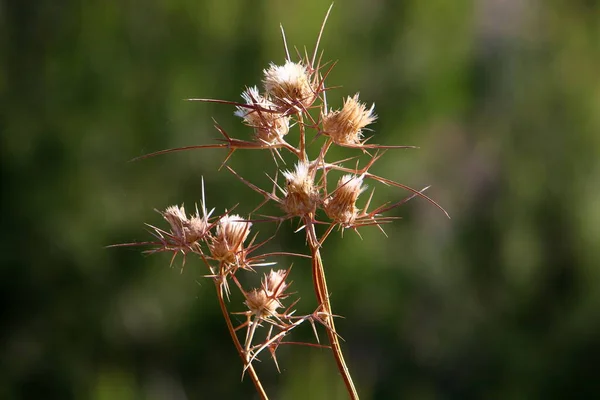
(289, 85)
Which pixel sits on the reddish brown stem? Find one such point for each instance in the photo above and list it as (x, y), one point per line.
(320, 285)
(303, 156)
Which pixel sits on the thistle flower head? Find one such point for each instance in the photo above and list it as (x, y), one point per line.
(185, 230)
(289, 90)
(231, 232)
(260, 304)
(176, 217)
(269, 126)
(265, 301)
(196, 227)
(341, 206)
(301, 194)
(274, 283)
(289, 85)
(345, 126)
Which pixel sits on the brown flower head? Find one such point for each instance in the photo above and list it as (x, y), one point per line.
(345, 126)
(301, 194)
(183, 229)
(341, 206)
(274, 283)
(289, 85)
(228, 242)
(260, 304)
(269, 127)
(265, 301)
(176, 217)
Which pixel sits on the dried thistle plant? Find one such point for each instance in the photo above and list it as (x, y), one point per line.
(293, 96)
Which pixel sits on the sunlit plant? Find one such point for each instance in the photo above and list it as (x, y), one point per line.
(292, 99)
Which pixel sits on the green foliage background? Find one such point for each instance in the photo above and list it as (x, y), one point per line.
(502, 97)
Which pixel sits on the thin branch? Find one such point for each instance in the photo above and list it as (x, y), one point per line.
(257, 384)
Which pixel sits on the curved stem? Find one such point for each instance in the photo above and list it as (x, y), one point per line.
(257, 384)
(320, 285)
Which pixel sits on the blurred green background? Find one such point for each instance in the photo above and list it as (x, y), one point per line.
(502, 97)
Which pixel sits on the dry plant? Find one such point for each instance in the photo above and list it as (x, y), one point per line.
(293, 96)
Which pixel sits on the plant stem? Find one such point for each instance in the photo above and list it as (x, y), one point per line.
(320, 285)
(238, 346)
(303, 156)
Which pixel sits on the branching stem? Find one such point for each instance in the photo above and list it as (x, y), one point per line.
(320, 285)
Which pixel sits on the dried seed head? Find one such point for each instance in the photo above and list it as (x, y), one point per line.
(185, 230)
(289, 85)
(341, 206)
(269, 127)
(345, 126)
(228, 242)
(301, 194)
(265, 301)
(176, 217)
(260, 303)
(274, 283)
(196, 227)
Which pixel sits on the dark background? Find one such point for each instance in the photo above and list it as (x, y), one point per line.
(502, 97)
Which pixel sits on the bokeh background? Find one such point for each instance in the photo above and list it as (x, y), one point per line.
(502, 97)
